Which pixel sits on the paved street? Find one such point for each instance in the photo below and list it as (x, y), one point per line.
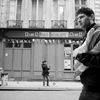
(39, 95)
(17, 90)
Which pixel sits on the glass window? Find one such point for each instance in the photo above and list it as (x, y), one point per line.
(27, 44)
(67, 64)
(8, 44)
(17, 44)
(61, 13)
(12, 10)
(76, 8)
(67, 50)
(34, 9)
(83, 2)
(75, 46)
(40, 9)
(67, 57)
(76, 2)
(19, 6)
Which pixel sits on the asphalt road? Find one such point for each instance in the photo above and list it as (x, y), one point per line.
(39, 95)
(24, 90)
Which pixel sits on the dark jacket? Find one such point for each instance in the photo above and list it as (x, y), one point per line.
(91, 76)
(45, 70)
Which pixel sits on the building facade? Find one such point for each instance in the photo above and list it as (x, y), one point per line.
(37, 30)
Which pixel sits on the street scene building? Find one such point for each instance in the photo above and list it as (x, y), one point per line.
(35, 30)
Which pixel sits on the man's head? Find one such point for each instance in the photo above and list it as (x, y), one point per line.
(44, 61)
(85, 17)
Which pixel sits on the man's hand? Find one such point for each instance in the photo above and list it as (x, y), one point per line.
(79, 70)
(76, 64)
(77, 73)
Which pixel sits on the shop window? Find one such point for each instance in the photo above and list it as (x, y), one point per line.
(27, 44)
(17, 45)
(67, 64)
(67, 57)
(75, 46)
(66, 45)
(67, 50)
(8, 43)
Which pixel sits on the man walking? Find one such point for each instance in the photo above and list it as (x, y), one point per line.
(88, 56)
(45, 72)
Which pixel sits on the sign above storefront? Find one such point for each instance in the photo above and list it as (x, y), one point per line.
(39, 34)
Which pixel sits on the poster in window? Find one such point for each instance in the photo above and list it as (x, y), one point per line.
(67, 64)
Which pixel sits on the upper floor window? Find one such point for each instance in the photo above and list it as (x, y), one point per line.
(19, 6)
(12, 9)
(61, 12)
(80, 3)
(15, 9)
(37, 9)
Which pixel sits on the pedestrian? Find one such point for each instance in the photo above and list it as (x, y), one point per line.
(88, 55)
(1, 71)
(45, 72)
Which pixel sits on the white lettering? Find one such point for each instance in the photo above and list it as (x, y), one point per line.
(26, 34)
(33, 34)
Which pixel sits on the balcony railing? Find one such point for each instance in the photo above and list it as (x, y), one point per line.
(14, 23)
(59, 23)
(36, 23)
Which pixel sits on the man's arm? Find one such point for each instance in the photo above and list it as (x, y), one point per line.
(91, 58)
(80, 49)
(83, 48)
(96, 49)
(79, 67)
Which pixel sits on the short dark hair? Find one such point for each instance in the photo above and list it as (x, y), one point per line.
(85, 10)
(44, 61)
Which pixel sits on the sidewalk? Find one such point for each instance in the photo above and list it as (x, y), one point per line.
(38, 86)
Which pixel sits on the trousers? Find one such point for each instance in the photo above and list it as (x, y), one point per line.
(45, 79)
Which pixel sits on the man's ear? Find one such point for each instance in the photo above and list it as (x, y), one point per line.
(92, 17)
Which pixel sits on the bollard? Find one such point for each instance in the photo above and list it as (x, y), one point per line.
(4, 79)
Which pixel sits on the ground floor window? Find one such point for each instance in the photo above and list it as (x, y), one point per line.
(67, 56)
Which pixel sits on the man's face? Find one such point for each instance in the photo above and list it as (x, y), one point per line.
(45, 62)
(83, 21)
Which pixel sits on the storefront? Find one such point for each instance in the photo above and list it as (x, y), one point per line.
(24, 50)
